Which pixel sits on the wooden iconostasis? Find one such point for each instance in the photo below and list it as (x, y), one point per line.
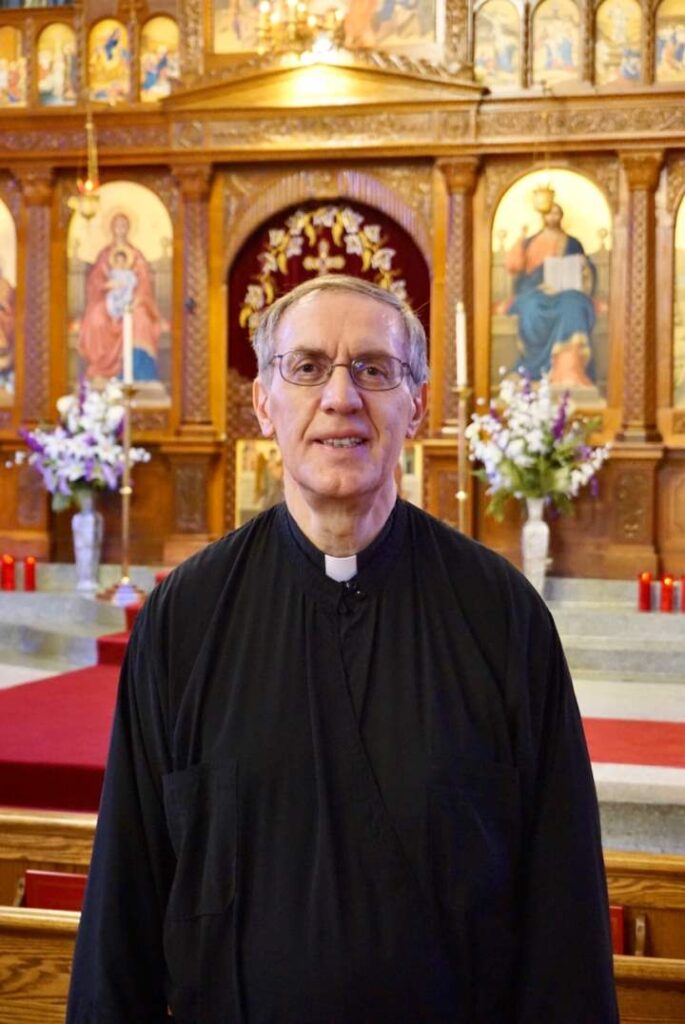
(229, 169)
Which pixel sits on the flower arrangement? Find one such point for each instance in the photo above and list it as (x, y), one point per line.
(82, 453)
(530, 445)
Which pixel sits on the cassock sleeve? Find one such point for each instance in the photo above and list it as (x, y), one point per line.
(118, 970)
(566, 971)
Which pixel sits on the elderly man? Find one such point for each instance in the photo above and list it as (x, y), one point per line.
(348, 782)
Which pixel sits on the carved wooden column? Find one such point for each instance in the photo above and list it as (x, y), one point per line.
(639, 360)
(460, 177)
(36, 184)
(631, 474)
(192, 454)
(191, 473)
(194, 183)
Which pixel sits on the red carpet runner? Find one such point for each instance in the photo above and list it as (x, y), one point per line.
(54, 736)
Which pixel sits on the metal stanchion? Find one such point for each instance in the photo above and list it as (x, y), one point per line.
(125, 591)
(463, 393)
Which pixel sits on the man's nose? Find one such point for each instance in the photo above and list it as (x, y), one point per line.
(340, 391)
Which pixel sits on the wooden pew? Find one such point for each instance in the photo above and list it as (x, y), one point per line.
(53, 840)
(650, 887)
(650, 990)
(36, 949)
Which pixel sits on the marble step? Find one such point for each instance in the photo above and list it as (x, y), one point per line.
(571, 591)
(57, 629)
(584, 620)
(662, 658)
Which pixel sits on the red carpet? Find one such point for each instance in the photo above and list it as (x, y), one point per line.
(54, 736)
(623, 741)
(111, 648)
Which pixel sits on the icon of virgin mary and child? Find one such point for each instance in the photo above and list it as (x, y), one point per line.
(120, 281)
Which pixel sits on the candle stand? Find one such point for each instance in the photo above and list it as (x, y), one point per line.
(125, 591)
(463, 393)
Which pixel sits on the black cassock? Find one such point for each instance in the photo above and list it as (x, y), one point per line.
(362, 803)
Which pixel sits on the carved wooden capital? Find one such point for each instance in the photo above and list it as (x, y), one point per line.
(36, 184)
(460, 174)
(193, 180)
(642, 169)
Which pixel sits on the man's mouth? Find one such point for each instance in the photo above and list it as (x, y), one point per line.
(342, 442)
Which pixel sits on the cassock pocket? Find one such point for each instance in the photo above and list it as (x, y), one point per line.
(475, 829)
(201, 811)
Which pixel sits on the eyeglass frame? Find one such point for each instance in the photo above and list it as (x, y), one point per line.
(406, 371)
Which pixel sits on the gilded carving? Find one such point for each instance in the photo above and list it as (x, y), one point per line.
(190, 496)
(195, 292)
(460, 174)
(240, 422)
(604, 171)
(632, 500)
(500, 175)
(192, 38)
(140, 136)
(642, 169)
(403, 192)
(30, 499)
(188, 135)
(37, 189)
(332, 130)
(675, 184)
(453, 125)
(639, 312)
(10, 193)
(458, 281)
(150, 420)
(678, 506)
(456, 33)
(448, 485)
(41, 141)
(679, 423)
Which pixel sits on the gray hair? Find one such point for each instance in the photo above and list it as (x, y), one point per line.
(264, 339)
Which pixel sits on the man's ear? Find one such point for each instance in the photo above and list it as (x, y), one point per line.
(260, 403)
(420, 404)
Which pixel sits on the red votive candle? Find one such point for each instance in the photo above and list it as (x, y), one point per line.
(7, 578)
(644, 592)
(666, 603)
(29, 573)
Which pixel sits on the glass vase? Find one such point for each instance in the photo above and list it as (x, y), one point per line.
(535, 543)
(87, 527)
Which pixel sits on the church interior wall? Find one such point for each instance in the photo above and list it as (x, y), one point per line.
(437, 153)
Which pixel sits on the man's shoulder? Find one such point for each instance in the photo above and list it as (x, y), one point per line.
(482, 579)
(202, 576)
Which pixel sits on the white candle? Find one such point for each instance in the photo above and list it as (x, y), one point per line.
(460, 336)
(127, 350)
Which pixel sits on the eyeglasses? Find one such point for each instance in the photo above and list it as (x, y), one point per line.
(370, 373)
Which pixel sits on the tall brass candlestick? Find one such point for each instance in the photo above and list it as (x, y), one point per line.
(125, 591)
(463, 393)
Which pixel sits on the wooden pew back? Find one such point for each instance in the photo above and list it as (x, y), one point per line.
(52, 840)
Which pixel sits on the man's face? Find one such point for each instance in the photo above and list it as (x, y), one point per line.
(307, 421)
(553, 217)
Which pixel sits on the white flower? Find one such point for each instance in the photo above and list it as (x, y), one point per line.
(254, 296)
(276, 236)
(351, 220)
(353, 245)
(294, 246)
(373, 233)
(382, 259)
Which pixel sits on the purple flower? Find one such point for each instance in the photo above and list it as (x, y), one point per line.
(559, 424)
(109, 475)
(594, 487)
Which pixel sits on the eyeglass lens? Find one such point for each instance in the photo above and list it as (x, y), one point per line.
(372, 373)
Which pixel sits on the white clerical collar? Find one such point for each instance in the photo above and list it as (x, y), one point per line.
(341, 569)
